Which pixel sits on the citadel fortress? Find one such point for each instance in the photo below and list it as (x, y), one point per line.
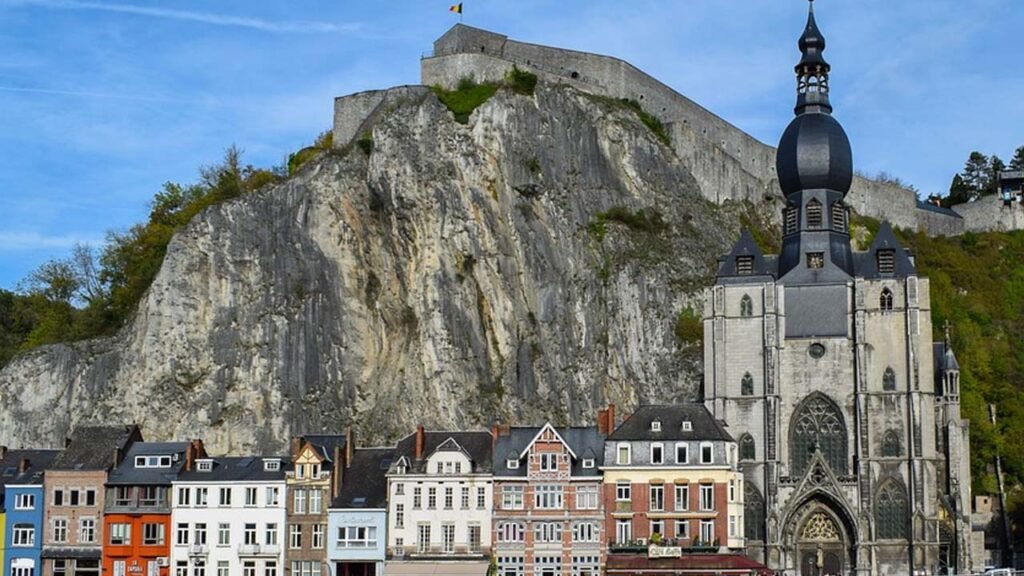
(727, 163)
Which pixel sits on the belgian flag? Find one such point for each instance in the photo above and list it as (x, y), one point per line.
(457, 8)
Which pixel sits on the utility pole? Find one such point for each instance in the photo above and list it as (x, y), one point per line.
(1006, 548)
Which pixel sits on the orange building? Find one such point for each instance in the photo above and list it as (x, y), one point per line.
(137, 515)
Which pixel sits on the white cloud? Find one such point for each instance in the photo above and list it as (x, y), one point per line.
(31, 241)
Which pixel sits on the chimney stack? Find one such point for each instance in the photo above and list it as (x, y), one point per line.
(421, 439)
(193, 451)
(294, 445)
(23, 465)
(117, 458)
(350, 445)
(340, 463)
(606, 420)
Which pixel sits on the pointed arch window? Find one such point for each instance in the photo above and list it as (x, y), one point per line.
(885, 300)
(747, 449)
(753, 512)
(746, 306)
(838, 216)
(889, 380)
(891, 512)
(814, 216)
(817, 426)
(747, 385)
(891, 445)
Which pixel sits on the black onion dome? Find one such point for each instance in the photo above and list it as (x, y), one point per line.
(812, 38)
(814, 153)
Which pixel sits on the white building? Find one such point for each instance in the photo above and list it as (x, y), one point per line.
(228, 518)
(439, 504)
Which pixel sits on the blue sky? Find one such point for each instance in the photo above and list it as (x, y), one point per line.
(101, 101)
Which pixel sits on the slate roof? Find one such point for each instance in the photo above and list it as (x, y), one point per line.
(238, 469)
(92, 447)
(585, 442)
(929, 207)
(364, 484)
(704, 425)
(867, 262)
(747, 246)
(38, 461)
(477, 446)
(326, 443)
(126, 473)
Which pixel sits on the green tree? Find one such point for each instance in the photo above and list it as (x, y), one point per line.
(977, 174)
(995, 167)
(1017, 162)
(959, 192)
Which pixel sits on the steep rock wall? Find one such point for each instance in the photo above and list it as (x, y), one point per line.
(455, 276)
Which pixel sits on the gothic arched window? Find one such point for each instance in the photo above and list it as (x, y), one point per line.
(817, 425)
(746, 307)
(885, 300)
(747, 385)
(891, 512)
(891, 444)
(753, 512)
(747, 449)
(889, 380)
(814, 214)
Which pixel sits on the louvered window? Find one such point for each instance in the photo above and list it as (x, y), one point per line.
(814, 214)
(886, 260)
(792, 219)
(745, 265)
(838, 217)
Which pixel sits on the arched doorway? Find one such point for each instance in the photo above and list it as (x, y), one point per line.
(821, 546)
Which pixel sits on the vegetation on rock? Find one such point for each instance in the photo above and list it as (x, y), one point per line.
(466, 97)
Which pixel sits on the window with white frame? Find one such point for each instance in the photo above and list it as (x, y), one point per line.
(152, 461)
(225, 496)
(586, 532)
(399, 489)
(199, 533)
(201, 496)
(120, 568)
(184, 496)
(481, 497)
(548, 497)
(399, 515)
(181, 534)
(623, 492)
(512, 497)
(449, 497)
(706, 453)
(586, 566)
(732, 525)
(732, 490)
(25, 501)
(316, 501)
(270, 534)
(707, 531)
(687, 426)
(223, 568)
(294, 536)
(474, 533)
(682, 500)
(357, 537)
(417, 498)
(86, 530)
(249, 568)
(512, 463)
(317, 539)
(655, 425)
(249, 534)
(682, 453)
(272, 495)
(299, 501)
(682, 529)
(431, 498)
(204, 465)
(657, 453)
(152, 534)
(588, 463)
(270, 568)
(120, 534)
(623, 454)
(547, 532)
(511, 566)
(23, 535)
(586, 497)
(707, 497)
(223, 534)
(657, 527)
(510, 532)
(623, 531)
(657, 498)
(464, 497)
(250, 496)
(60, 530)
(548, 462)
(448, 538)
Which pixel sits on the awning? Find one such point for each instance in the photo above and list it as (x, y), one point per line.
(687, 564)
(436, 568)
(75, 553)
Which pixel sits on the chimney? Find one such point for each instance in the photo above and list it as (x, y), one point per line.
(117, 458)
(340, 463)
(495, 430)
(420, 441)
(294, 445)
(606, 420)
(193, 451)
(23, 465)
(350, 445)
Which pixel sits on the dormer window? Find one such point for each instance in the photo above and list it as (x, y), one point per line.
(204, 465)
(886, 260)
(656, 426)
(687, 426)
(744, 265)
(814, 214)
(512, 463)
(271, 465)
(588, 463)
(548, 462)
(152, 461)
(623, 454)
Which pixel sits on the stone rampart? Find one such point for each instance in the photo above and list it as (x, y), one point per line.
(353, 112)
(991, 213)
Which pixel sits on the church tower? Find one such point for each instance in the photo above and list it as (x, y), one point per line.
(820, 359)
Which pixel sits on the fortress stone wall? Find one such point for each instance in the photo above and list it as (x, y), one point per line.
(728, 163)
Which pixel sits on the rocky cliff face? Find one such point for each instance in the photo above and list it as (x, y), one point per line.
(454, 276)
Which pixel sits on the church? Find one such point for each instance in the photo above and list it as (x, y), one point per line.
(821, 361)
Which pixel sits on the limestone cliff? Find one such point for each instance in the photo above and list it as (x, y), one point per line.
(443, 273)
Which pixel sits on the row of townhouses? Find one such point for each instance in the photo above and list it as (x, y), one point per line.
(663, 489)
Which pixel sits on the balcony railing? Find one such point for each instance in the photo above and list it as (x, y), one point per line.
(259, 550)
(641, 547)
(198, 550)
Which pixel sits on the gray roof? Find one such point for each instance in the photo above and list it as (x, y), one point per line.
(585, 442)
(476, 445)
(326, 443)
(747, 246)
(704, 426)
(867, 262)
(364, 484)
(127, 474)
(38, 461)
(929, 207)
(92, 447)
(943, 360)
(238, 469)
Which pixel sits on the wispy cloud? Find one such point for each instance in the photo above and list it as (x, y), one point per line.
(279, 26)
(98, 95)
(26, 241)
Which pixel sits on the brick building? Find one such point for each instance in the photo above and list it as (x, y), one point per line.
(318, 463)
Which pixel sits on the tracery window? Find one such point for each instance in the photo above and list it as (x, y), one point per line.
(891, 444)
(838, 217)
(747, 449)
(814, 215)
(753, 512)
(891, 512)
(820, 528)
(885, 300)
(817, 425)
(746, 306)
(747, 385)
(889, 380)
